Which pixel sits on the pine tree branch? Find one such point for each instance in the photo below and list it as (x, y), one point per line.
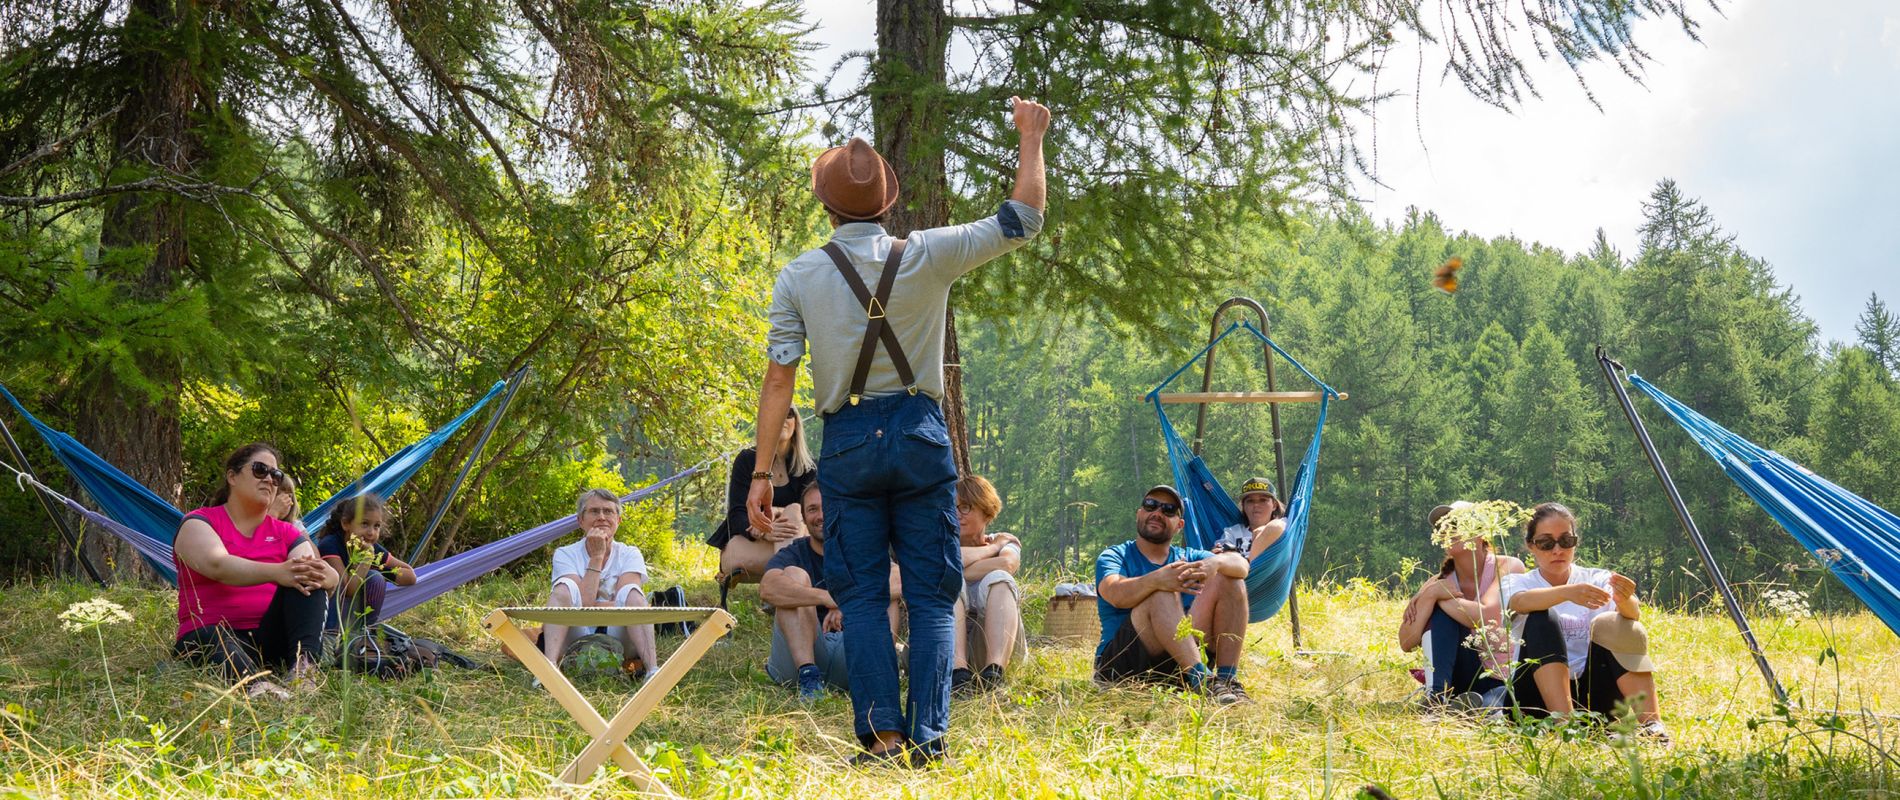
(203, 192)
(58, 146)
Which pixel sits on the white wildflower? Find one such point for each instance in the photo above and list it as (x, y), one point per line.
(1787, 603)
(88, 614)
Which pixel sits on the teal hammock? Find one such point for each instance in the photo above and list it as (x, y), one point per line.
(142, 513)
(1857, 540)
(1210, 509)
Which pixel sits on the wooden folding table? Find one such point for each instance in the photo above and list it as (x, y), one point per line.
(610, 736)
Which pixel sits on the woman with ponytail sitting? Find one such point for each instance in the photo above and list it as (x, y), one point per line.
(1464, 597)
(250, 586)
(1581, 645)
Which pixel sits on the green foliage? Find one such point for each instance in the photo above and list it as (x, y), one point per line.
(1490, 392)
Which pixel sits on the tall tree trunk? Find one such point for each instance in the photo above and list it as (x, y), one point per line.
(907, 117)
(123, 423)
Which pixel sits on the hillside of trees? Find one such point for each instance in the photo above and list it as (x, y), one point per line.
(1491, 392)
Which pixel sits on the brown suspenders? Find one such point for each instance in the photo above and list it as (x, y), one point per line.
(875, 328)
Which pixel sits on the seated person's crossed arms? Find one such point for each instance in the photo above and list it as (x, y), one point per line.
(1465, 596)
(989, 630)
(1145, 587)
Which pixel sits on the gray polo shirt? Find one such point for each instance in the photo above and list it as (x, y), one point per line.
(812, 304)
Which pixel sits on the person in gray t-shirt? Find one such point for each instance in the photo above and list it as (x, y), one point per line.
(885, 469)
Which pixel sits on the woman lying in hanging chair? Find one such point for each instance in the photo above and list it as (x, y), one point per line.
(1263, 521)
(744, 551)
(1464, 597)
(250, 586)
(1580, 644)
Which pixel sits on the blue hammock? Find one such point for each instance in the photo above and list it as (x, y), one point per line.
(1211, 510)
(1857, 540)
(145, 514)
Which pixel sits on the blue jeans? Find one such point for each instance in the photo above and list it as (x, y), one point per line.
(1455, 667)
(889, 486)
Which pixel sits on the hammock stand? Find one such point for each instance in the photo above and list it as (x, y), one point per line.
(1610, 369)
(1272, 397)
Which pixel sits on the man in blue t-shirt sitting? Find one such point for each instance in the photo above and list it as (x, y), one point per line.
(1145, 587)
(808, 628)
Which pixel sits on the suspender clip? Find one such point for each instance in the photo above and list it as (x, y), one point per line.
(854, 399)
(912, 389)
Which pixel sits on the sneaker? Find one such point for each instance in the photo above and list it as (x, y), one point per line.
(1654, 732)
(897, 756)
(962, 682)
(265, 690)
(811, 685)
(1228, 691)
(990, 678)
(1465, 703)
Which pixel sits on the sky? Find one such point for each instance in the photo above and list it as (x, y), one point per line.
(1784, 120)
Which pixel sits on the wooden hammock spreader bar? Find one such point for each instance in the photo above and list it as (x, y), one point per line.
(1240, 397)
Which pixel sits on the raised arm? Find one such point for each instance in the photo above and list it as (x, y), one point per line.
(1032, 122)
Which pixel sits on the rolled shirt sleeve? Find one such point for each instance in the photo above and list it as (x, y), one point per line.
(785, 343)
(957, 249)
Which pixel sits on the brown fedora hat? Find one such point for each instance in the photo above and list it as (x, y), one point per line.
(853, 181)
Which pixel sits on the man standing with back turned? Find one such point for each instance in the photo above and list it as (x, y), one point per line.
(869, 306)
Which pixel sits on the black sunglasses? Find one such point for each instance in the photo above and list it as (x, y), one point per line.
(1166, 509)
(261, 470)
(1565, 541)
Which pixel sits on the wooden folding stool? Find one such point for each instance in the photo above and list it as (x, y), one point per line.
(610, 736)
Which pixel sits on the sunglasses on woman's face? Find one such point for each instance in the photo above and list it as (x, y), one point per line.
(261, 470)
(1166, 509)
(1548, 544)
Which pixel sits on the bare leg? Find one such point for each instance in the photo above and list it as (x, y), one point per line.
(1000, 619)
(1156, 619)
(748, 555)
(554, 637)
(799, 626)
(1553, 682)
(1220, 611)
(637, 640)
(1639, 688)
(961, 636)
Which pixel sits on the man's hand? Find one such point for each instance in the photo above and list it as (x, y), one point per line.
(834, 621)
(1182, 577)
(1585, 595)
(1030, 117)
(1624, 588)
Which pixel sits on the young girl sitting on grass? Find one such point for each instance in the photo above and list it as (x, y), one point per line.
(351, 544)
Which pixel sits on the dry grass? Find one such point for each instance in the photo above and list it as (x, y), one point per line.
(1322, 725)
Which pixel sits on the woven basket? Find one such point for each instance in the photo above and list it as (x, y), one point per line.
(1072, 621)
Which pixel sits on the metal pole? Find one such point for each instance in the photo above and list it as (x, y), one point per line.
(494, 418)
(1610, 368)
(59, 522)
(1273, 413)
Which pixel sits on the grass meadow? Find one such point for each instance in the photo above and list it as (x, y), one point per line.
(1322, 725)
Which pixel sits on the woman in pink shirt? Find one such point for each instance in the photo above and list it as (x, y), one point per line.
(250, 586)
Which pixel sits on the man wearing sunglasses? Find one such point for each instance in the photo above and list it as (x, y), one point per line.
(1145, 587)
